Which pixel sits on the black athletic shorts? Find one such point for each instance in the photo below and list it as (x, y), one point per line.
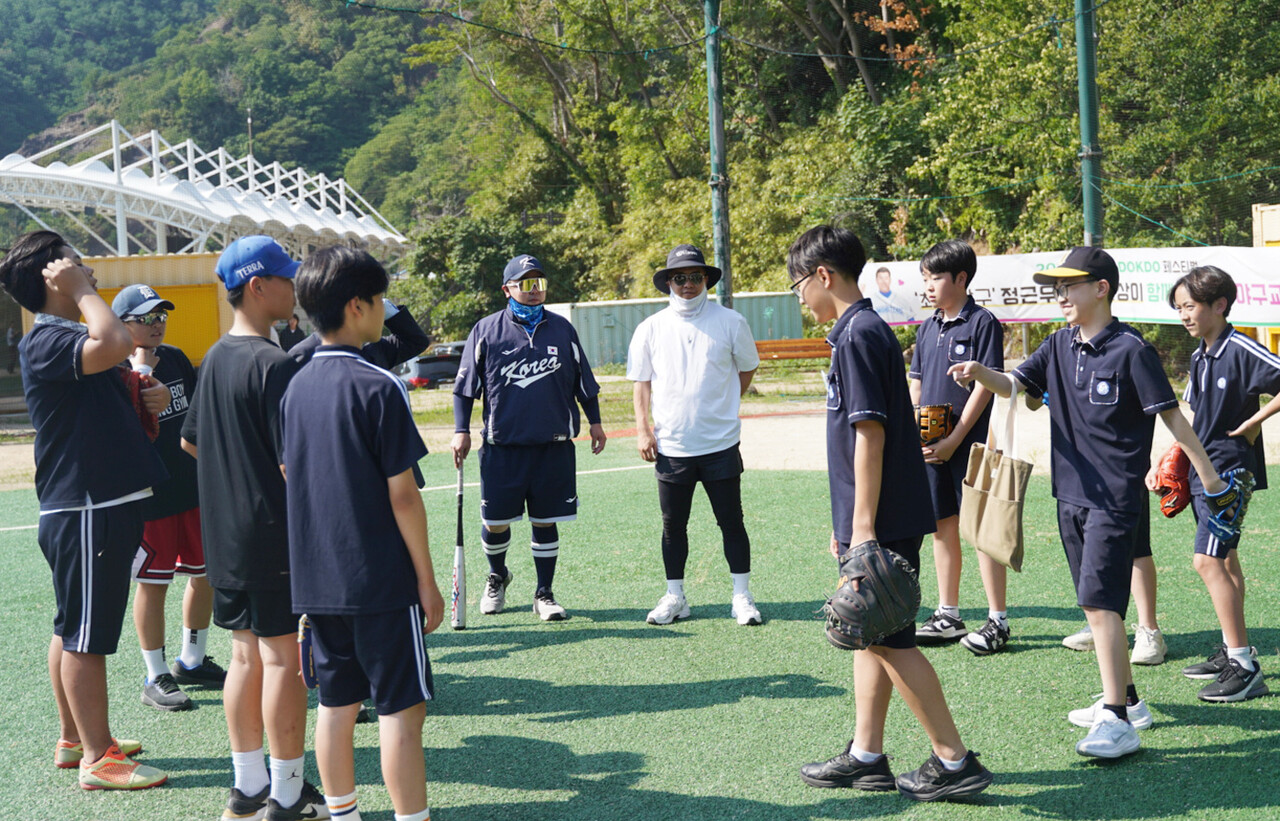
(1100, 547)
(908, 549)
(378, 654)
(709, 467)
(945, 481)
(266, 613)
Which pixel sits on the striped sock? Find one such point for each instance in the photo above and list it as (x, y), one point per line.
(343, 806)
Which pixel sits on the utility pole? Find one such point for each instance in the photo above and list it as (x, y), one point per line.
(1090, 151)
(719, 174)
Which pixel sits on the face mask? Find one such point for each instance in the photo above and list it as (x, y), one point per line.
(529, 315)
(688, 307)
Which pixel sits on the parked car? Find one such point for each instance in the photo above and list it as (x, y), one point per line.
(430, 371)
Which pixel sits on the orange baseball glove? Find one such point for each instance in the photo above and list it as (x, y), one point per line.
(1172, 482)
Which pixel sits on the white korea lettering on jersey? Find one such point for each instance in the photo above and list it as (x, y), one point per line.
(524, 372)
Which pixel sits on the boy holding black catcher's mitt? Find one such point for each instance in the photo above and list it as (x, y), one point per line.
(875, 467)
(1228, 372)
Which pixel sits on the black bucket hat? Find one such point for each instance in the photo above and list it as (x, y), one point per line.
(684, 256)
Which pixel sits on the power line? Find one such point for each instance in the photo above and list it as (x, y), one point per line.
(1151, 220)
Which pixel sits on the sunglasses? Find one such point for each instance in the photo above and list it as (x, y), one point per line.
(153, 318)
(681, 279)
(1060, 291)
(527, 285)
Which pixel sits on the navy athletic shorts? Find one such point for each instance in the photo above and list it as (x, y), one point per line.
(945, 481)
(265, 613)
(709, 467)
(541, 477)
(1207, 543)
(908, 549)
(378, 654)
(1100, 545)
(90, 553)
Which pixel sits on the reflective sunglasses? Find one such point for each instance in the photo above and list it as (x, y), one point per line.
(681, 279)
(532, 284)
(153, 318)
(1060, 291)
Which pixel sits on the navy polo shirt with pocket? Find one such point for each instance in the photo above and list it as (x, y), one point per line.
(866, 381)
(975, 334)
(1223, 390)
(1106, 394)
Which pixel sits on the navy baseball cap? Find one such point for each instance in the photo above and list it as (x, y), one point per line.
(138, 300)
(255, 256)
(684, 256)
(519, 267)
(1083, 261)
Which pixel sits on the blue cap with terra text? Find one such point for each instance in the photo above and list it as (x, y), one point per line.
(255, 256)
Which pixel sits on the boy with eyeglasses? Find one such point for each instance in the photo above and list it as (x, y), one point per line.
(691, 362)
(171, 542)
(1108, 385)
(529, 367)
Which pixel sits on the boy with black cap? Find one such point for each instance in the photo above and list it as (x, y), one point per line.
(531, 370)
(94, 464)
(171, 537)
(1107, 385)
(692, 362)
(233, 428)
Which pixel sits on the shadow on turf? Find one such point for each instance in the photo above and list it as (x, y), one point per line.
(602, 786)
(502, 696)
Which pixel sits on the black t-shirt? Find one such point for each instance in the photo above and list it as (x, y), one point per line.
(235, 423)
(179, 494)
(290, 337)
(405, 341)
(90, 447)
(347, 429)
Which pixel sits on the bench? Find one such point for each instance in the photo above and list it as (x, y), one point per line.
(793, 349)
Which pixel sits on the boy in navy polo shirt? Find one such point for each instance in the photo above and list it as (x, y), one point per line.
(1228, 372)
(532, 372)
(233, 428)
(876, 470)
(94, 465)
(959, 330)
(171, 536)
(358, 535)
(1107, 385)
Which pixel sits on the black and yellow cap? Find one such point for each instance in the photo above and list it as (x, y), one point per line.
(1082, 261)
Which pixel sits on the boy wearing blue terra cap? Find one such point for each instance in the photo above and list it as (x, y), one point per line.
(233, 428)
(531, 370)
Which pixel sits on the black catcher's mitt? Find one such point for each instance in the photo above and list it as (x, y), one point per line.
(886, 599)
(1227, 509)
(935, 423)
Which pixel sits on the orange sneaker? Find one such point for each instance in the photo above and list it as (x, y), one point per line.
(67, 755)
(116, 771)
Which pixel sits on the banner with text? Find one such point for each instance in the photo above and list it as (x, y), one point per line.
(1003, 285)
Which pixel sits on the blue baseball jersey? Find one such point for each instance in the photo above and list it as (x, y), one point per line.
(347, 429)
(974, 334)
(1223, 390)
(90, 447)
(866, 382)
(532, 380)
(1106, 394)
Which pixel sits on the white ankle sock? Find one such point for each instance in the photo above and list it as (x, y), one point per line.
(286, 780)
(948, 610)
(250, 771)
(425, 815)
(193, 647)
(675, 587)
(1242, 657)
(951, 766)
(861, 755)
(740, 581)
(154, 659)
(999, 616)
(343, 807)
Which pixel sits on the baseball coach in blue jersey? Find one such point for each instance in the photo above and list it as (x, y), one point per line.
(531, 370)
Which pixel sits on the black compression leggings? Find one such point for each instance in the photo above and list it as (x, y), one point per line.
(726, 503)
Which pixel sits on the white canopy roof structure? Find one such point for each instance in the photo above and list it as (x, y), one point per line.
(208, 198)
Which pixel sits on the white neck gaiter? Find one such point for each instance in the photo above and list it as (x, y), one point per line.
(688, 308)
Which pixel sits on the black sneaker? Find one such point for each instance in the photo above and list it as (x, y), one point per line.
(241, 807)
(208, 673)
(932, 782)
(163, 694)
(1213, 666)
(1236, 684)
(940, 629)
(990, 638)
(310, 806)
(846, 771)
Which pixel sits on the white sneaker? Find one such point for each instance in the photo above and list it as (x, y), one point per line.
(745, 611)
(1148, 646)
(546, 606)
(670, 607)
(1109, 737)
(1081, 640)
(495, 594)
(1139, 716)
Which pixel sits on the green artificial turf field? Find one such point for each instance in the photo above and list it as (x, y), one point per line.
(606, 717)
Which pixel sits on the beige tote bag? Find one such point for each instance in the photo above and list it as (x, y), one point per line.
(992, 495)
